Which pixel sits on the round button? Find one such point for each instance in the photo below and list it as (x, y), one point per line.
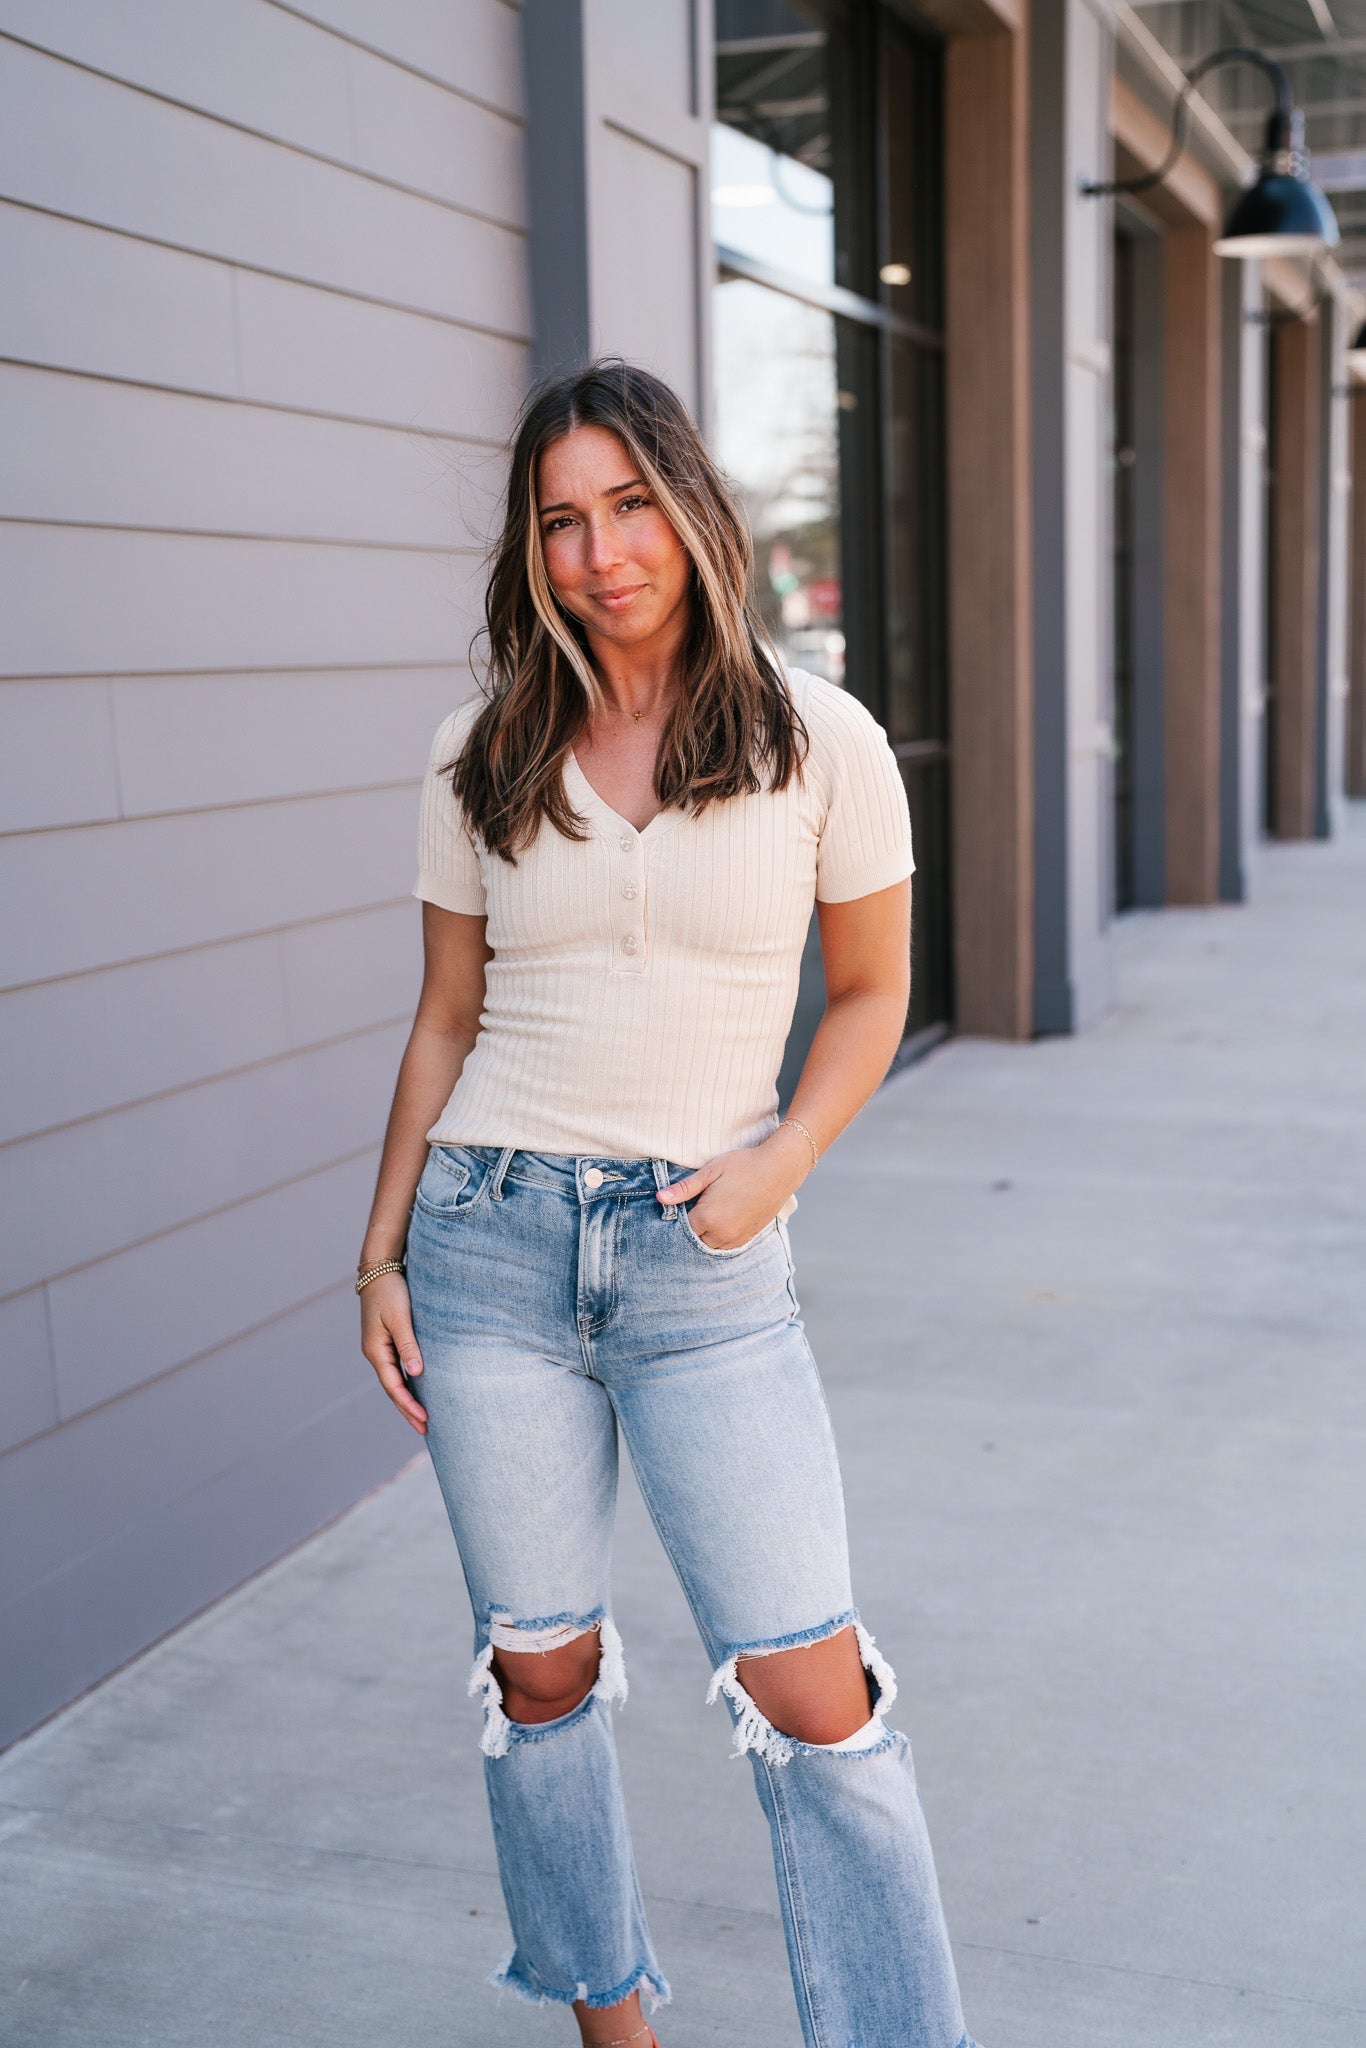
(628, 944)
(630, 892)
(594, 1177)
(626, 843)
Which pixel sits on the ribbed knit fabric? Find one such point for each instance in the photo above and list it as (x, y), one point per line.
(643, 983)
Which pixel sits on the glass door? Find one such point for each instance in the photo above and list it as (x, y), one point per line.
(827, 205)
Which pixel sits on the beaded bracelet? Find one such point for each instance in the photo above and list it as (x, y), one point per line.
(373, 1272)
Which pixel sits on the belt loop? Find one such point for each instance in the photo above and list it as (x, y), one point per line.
(505, 1158)
(661, 1173)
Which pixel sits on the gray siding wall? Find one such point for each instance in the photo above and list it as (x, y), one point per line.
(265, 317)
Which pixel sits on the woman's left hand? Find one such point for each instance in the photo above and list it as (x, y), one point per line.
(742, 1190)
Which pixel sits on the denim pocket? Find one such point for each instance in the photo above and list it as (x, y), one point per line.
(452, 1181)
(713, 1251)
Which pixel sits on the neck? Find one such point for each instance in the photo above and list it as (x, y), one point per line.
(642, 678)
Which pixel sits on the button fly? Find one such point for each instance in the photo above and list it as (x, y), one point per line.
(594, 1177)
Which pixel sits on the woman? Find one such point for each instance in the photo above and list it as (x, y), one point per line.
(619, 849)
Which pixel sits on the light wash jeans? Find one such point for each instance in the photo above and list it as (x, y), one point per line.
(555, 1301)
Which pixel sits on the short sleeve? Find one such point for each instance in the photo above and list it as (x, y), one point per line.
(865, 841)
(448, 871)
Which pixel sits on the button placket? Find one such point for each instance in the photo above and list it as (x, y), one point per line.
(628, 904)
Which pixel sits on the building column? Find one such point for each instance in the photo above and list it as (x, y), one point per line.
(990, 572)
(1294, 540)
(1356, 695)
(617, 135)
(1243, 403)
(1192, 547)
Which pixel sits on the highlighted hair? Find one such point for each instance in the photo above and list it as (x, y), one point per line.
(734, 729)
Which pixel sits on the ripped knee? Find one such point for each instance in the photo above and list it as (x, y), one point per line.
(828, 1692)
(542, 1679)
(535, 1672)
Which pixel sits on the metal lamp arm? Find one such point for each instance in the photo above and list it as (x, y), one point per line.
(1285, 107)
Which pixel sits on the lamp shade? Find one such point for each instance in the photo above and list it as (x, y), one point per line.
(1282, 214)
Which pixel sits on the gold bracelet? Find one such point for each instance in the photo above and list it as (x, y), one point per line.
(373, 1272)
(799, 1125)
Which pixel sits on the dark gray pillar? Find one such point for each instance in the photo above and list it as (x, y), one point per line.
(1232, 768)
(1323, 674)
(1054, 999)
(1149, 666)
(554, 48)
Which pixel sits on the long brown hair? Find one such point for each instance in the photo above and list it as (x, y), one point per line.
(734, 717)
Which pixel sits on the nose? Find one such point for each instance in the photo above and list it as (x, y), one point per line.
(603, 547)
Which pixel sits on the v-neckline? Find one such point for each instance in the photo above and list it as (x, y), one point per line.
(663, 820)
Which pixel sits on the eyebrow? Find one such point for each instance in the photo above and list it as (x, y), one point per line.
(633, 483)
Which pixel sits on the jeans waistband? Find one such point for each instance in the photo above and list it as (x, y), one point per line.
(583, 1175)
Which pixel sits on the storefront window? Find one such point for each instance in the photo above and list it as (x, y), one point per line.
(777, 405)
(771, 207)
(827, 205)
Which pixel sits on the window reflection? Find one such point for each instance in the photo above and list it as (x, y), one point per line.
(770, 207)
(777, 409)
(772, 197)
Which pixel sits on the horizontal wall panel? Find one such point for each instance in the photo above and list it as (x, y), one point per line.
(437, 142)
(28, 1389)
(320, 351)
(188, 742)
(77, 601)
(80, 145)
(108, 454)
(164, 317)
(114, 1470)
(89, 1043)
(144, 1311)
(248, 62)
(57, 763)
(475, 46)
(119, 892)
(80, 1193)
(181, 1554)
(167, 318)
(76, 753)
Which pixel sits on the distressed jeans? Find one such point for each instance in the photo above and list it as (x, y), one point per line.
(559, 1305)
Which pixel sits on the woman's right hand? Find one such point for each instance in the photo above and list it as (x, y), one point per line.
(387, 1340)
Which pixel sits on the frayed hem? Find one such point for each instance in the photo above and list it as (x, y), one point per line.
(500, 1733)
(650, 1983)
(756, 1735)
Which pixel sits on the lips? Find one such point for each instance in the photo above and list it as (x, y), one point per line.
(620, 595)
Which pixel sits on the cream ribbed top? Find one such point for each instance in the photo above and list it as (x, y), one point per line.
(642, 983)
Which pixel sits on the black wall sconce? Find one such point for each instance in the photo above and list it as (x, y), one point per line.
(1283, 213)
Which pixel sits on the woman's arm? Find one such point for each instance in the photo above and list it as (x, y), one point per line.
(446, 1024)
(866, 948)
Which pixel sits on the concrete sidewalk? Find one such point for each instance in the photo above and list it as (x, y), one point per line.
(1092, 1315)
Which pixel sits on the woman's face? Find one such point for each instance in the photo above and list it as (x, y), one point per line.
(612, 557)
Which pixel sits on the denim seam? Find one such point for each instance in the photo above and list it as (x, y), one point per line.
(795, 1905)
